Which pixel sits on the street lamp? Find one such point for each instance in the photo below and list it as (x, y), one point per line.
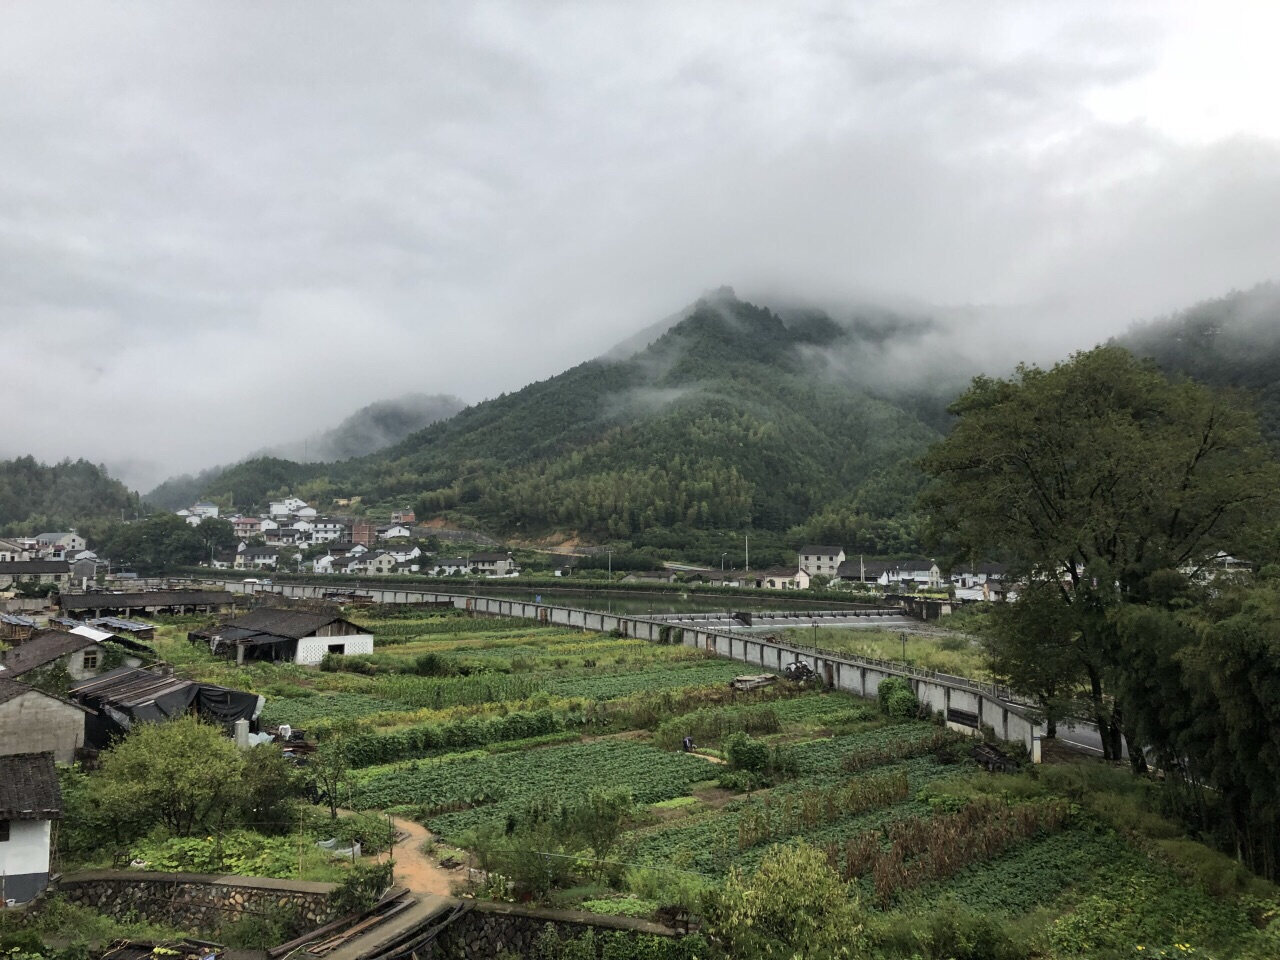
(722, 556)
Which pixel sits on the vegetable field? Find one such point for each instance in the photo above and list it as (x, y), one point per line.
(553, 761)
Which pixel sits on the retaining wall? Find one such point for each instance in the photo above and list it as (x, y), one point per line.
(193, 901)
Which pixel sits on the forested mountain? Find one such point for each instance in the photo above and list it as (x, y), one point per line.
(730, 419)
(1233, 341)
(366, 431)
(37, 497)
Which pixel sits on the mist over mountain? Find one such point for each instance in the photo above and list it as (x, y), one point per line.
(366, 431)
(1232, 341)
(728, 416)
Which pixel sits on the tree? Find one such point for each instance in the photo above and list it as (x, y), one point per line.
(1034, 647)
(216, 534)
(1094, 476)
(794, 905)
(183, 774)
(330, 773)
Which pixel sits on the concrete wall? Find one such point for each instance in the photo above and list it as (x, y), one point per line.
(36, 722)
(24, 860)
(197, 902)
(311, 650)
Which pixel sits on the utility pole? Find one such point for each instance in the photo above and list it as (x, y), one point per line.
(610, 566)
(722, 556)
(747, 541)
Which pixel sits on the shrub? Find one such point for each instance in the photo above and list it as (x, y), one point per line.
(896, 698)
(745, 753)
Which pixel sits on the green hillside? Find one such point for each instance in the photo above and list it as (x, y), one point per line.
(722, 423)
(37, 497)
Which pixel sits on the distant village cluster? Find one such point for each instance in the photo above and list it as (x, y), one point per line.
(290, 527)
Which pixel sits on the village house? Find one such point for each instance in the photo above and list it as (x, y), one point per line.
(246, 527)
(403, 552)
(32, 721)
(448, 567)
(327, 530)
(861, 570)
(394, 531)
(30, 800)
(819, 560)
(257, 558)
(13, 572)
(650, 576)
(776, 578)
(380, 564)
(275, 634)
(494, 564)
(63, 541)
(11, 550)
(364, 533)
(405, 516)
(47, 650)
(289, 507)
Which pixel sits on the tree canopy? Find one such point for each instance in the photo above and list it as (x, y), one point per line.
(1098, 476)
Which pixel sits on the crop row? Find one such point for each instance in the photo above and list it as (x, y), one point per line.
(924, 849)
(792, 813)
(367, 749)
(672, 676)
(493, 786)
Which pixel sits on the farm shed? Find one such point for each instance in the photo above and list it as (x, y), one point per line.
(127, 696)
(273, 633)
(147, 602)
(16, 627)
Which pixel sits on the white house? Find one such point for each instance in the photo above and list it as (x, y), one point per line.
(30, 800)
(205, 509)
(327, 530)
(11, 550)
(818, 559)
(394, 531)
(448, 567)
(266, 525)
(404, 554)
(290, 506)
(257, 558)
(494, 564)
(66, 540)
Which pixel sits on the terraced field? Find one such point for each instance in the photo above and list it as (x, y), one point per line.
(552, 758)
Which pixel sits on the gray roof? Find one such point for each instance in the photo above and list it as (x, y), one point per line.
(294, 624)
(29, 787)
(819, 549)
(12, 689)
(27, 568)
(43, 647)
(144, 598)
(489, 557)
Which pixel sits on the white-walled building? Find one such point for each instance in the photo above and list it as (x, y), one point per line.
(817, 559)
(30, 800)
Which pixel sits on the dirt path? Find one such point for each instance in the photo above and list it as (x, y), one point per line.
(414, 869)
(705, 756)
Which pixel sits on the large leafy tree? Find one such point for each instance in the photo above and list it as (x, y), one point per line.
(1098, 477)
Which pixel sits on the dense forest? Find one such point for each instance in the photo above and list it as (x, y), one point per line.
(37, 497)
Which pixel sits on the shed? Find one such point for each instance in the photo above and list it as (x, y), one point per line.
(127, 696)
(276, 633)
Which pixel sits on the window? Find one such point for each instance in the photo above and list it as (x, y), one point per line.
(4, 830)
(90, 660)
(337, 648)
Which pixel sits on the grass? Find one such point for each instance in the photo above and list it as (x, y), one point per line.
(952, 653)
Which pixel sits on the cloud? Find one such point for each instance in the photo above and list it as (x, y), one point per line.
(222, 222)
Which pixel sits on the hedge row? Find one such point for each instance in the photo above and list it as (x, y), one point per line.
(367, 749)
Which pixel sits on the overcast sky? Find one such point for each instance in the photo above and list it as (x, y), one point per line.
(223, 224)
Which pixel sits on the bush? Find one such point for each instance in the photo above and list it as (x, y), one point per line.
(950, 932)
(745, 753)
(896, 698)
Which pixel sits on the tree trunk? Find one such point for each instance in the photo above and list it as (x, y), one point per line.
(1106, 732)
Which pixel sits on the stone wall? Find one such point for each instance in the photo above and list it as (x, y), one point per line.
(196, 902)
(493, 929)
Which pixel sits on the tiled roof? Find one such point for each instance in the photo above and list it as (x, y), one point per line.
(29, 787)
(43, 647)
(294, 624)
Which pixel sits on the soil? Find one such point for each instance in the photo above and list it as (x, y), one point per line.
(414, 869)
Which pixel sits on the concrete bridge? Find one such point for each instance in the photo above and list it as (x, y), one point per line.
(967, 704)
